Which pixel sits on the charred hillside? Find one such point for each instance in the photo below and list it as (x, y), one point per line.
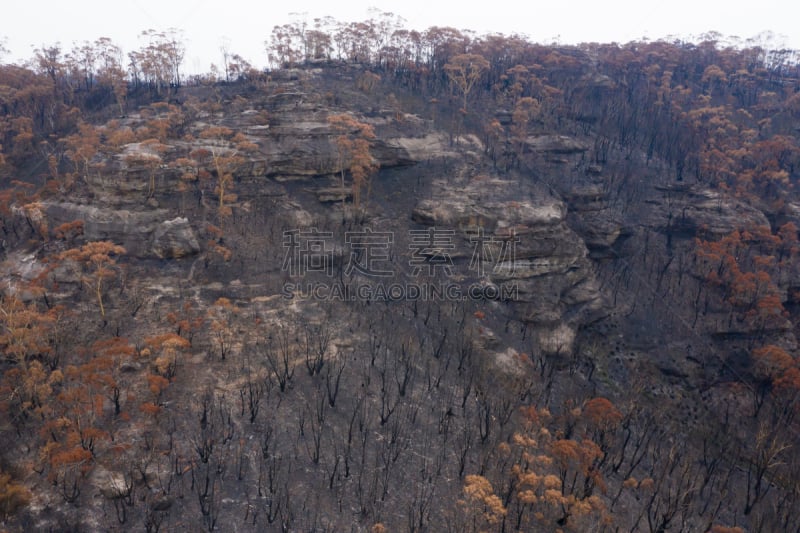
(427, 282)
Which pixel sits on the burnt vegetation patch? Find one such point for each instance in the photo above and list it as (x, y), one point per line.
(200, 323)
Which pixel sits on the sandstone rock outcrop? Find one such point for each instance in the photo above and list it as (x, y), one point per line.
(548, 267)
(142, 233)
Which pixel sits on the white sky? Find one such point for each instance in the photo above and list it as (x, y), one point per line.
(27, 24)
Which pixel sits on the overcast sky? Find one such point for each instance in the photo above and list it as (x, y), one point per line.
(27, 24)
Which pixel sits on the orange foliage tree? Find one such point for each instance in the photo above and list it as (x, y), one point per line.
(353, 148)
(482, 506)
(741, 264)
(98, 259)
(13, 496)
(82, 146)
(464, 72)
(187, 321)
(776, 372)
(525, 111)
(166, 349)
(221, 316)
(110, 355)
(25, 330)
(225, 153)
(550, 481)
(149, 158)
(27, 385)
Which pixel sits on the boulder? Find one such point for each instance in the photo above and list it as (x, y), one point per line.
(333, 194)
(174, 239)
(162, 502)
(558, 340)
(111, 484)
(556, 144)
(406, 150)
(685, 210)
(599, 229)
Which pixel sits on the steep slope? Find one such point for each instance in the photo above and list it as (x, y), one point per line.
(536, 326)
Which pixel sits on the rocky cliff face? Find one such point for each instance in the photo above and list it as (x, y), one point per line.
(548, 267)
(551, 233)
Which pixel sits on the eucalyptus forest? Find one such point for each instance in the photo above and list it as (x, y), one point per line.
(400, 280)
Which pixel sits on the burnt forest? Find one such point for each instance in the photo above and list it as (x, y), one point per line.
(422, 281)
